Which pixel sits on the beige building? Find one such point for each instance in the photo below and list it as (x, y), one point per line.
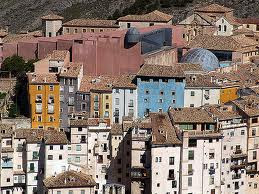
(51, 25)
(250, 23)
(70, 182)
(89, 25)
(139, 21)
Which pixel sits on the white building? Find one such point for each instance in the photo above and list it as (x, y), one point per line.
(200, 90)
(124, 99)
(165, 156)
(51, 25)
(226, 25)
(140, 21)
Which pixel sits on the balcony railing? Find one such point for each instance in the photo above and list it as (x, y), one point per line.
(237, 166)
(212, 171)
(236, 176)
(139, 173)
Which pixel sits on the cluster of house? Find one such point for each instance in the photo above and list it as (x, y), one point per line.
(209, 149)
(136, 105)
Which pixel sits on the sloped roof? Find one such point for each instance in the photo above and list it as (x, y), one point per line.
(211, 42)
(214, 8)
(148, 70)
(154, 16)
(248, 20)
(52, 17)
(163, 132)
(92, 23)
(71, 69)
(69, 179)
(58, 55)
(248, 104)
(190, 115)
(193, 81)
(42, 78)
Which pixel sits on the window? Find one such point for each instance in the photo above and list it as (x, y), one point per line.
(254, 155)
(8, 180)
(253, 132)
(131, 103)
(190, 171)
(51, 88)
(83, 106)
(161, 93)
(117, 91)
(82, 192)
(192, 143)
(242, 132)
(84, 30)
(158, 184)
(225, 28)
(117, 101)
(173, 101)
(247, 26)
(147, 92)
(80, 129)
(192, 93)
(171, 160)
(131, 91)
(92, 30)
(61, 98)
(191, 155)
(50, 157)
(219, 27)
(50, 34)
(70, 192)
(254, 120)
(128, 25)
(78, 147)
(77, 159)
(61, 147)
(35, 155)
(173, 93)
(107, 106)
(151, 24)
(189, 181)
(160, 100)
(39, 88)
(60, 157)
(32, 167)
(39, 118)
(51, 147)
(106, 114)
(51, 119)
(75, 31)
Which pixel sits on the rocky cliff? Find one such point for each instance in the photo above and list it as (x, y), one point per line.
(25, 14)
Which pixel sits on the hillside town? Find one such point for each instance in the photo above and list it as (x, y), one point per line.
(137, 105)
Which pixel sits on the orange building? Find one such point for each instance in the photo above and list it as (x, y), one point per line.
(44, 100)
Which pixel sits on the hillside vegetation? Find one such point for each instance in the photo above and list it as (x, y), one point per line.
(26, 14)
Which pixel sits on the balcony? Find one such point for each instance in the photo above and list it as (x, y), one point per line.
(237, 166)
(50, 108)
(7, 164)
(212, 171)
(190, 172)
(238, 154)
(131, 105)
(116, 114)
(236, 176)
(139, 173)
(141, 136)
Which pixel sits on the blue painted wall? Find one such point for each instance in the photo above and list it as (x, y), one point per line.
(154, 95)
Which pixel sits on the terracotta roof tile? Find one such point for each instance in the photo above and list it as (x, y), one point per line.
(58, 55)
(92, 23)
(97, 83)
(71, 70)
(52, 17)
(148, 70)
(37, 135)
(42, 78)
(155, 16)
(14, 38)
(215, 8)
(200, 81)
(248, 104)
(69, 179)
(163, 132)
(223, 112)
(116, 129)
(211, 42)
(248, 20)
(190, 115)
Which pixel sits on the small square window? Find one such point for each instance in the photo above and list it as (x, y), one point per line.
(158, 184)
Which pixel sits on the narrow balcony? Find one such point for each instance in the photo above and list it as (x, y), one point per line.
(238, 153)
(237, 166)
(139, 173)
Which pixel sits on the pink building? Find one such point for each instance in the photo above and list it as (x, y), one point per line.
(101, 53)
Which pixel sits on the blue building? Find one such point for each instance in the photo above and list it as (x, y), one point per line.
(158, 88)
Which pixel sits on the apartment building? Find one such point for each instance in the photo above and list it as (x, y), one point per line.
(200, 90)
(159, 87)
(124, 99)
(70, 79)
(234, 148)
(90, 149)
(201, 154)
(44, 93)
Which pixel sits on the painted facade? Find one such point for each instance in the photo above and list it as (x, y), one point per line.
(101, 105)
(228, 93)
(44, 105)
(158, 94)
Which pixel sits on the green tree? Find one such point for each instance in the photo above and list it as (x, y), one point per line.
(14, 64)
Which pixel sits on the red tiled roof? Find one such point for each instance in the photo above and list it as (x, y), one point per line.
(215, 8)
(92, 23)
(248, 20)
(155, 16)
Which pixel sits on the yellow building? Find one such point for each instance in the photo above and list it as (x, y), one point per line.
(44, 100)
(100, 90)
(228, 93)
